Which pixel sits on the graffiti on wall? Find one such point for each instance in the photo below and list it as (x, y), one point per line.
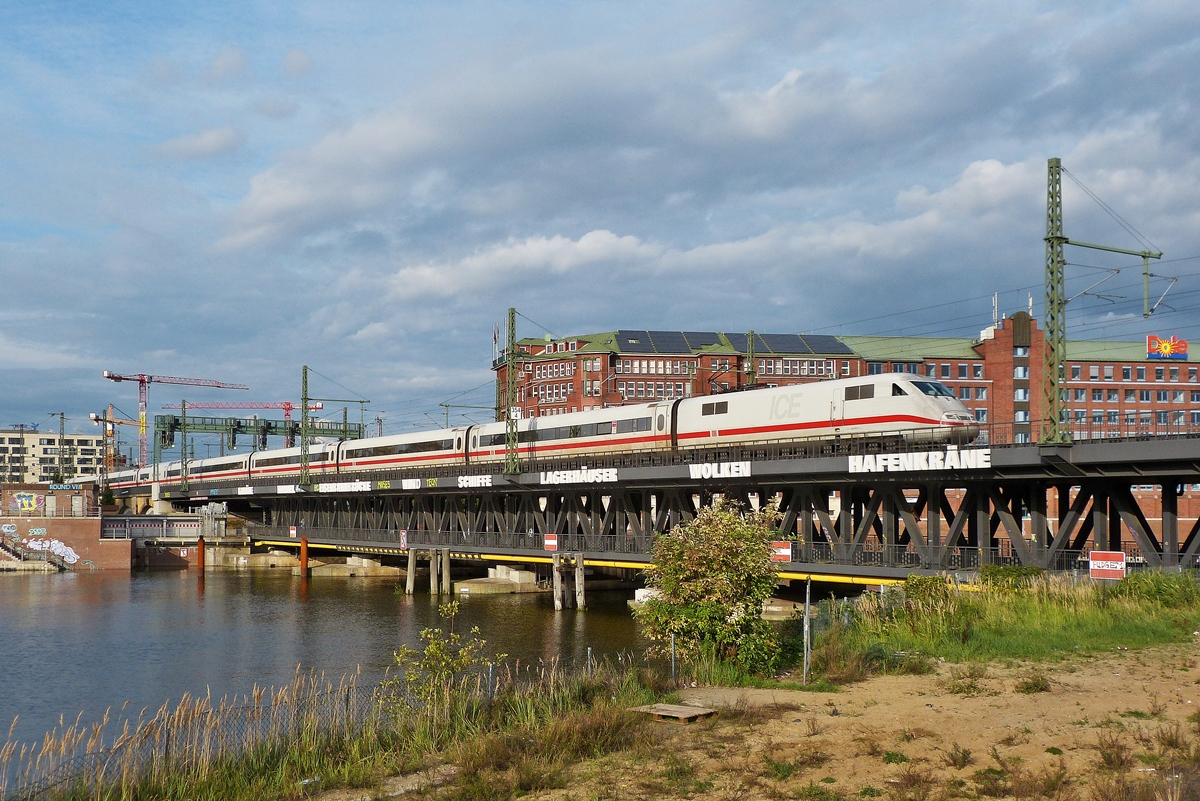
(37, 541)
(27, 502)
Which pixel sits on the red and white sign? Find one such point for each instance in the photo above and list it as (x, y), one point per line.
(404, 539)
(781, 552)
(292, 531)
(551, 542)
(183, 552)
(1106, 564)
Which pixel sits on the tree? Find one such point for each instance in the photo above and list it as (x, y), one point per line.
(712, 576)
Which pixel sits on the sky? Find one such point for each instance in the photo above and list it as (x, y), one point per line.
(233, 190)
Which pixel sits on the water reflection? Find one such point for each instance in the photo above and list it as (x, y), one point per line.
(85, 642)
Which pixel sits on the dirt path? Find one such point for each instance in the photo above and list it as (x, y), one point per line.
(896, 735)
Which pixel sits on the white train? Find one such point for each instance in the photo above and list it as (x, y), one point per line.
(898, 406)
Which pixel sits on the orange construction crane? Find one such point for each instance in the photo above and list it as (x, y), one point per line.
(110, 422)
(144, 381)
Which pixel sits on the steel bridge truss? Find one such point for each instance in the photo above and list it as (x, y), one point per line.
(902, 525)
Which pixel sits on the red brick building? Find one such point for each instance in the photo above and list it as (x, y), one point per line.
(1112, 388)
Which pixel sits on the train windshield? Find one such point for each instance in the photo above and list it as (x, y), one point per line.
(933, 389)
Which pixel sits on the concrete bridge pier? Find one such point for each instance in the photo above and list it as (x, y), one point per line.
(433, 572)
(446, 586)
(567, 570)
(410, 579)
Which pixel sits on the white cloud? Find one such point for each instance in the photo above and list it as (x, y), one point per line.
(15, 353)
(205, 144)
(230, 64)
(296, 63)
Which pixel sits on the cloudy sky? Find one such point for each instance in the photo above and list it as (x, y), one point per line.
(233, 190)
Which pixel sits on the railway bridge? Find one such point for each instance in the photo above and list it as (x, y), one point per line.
(852, 510)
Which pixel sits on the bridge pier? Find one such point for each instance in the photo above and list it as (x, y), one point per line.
(446, 588)
(567, 569)
(433, 572)
(410, 580)
(580, 600)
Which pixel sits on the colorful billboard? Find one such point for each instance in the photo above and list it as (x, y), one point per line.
(1173, 348)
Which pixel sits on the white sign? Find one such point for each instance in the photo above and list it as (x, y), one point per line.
(472, 482)
(551, 543)
(345, 486)
(292, 532)
(1106, 564)
(585, 475)
(720, 470)
(410, 483)
(952, 459)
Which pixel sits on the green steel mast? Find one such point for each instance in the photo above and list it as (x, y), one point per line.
(1055, 345)
(512, 462)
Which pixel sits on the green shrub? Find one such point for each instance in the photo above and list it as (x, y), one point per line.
(1011, 577)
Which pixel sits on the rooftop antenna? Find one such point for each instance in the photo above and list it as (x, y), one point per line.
(1030, 304)
(996, 308)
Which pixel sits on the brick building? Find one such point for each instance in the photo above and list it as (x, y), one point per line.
(1112, 388)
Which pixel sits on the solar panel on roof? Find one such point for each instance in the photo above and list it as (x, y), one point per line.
(785, 343)
(822, 343)
(634, 342)
(669, 341)
(738, 341)
(701, 339)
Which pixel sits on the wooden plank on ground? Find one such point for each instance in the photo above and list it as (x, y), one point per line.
(680, 714)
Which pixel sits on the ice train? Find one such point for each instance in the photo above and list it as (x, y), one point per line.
(899, 406)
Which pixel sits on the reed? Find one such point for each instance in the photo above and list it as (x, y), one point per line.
(314, 732)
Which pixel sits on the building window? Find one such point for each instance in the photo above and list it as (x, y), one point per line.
(621, 388)
(1195, 397)
(1020, 352)
(980, 393)
(1021, 416)
(874, 368)
(1144, 395)
(1097, 416)
(1162, 396)
(931, 370)
(1021, 372)
(1177, 396)
(1080, 395)
(1196, 418)
(1163, 418)
(964, 393)
(981, 415)
(945, 371)
(1114, 417)
(1021, 395)
(1174, 373)
(1192, 375)
(962, 371)
(1021, 438)
(977, 371)
(1108, 372)
(1130, 395)
(1080, 415)
(1093, 372)
(1075, 372)
(1126, 373)
(1160, 373)
(1141, 374)
(1097, 395)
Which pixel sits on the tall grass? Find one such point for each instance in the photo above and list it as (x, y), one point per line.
(313, 733)
(1041, 617)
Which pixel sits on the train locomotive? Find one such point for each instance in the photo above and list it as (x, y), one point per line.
(896, 406)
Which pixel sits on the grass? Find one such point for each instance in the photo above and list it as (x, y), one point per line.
(519, 740)
(1033, 618)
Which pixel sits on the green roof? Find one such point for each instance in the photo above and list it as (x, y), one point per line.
(911, 349)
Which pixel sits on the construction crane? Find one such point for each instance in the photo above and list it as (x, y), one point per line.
(110, 423)
(287, 407)
(144, 381)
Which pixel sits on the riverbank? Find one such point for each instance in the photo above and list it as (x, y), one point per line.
(1117, 725)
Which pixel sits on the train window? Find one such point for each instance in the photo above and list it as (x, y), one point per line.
(603, 429)
(662, 422)
(474, 443)
(862, 392)
(715, 408)
(933, 389)
(897, 390)
(458, 443)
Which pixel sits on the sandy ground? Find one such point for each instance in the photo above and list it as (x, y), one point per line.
(851, 742)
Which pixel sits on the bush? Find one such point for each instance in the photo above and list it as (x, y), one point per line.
(1166, 589)
(712, 576)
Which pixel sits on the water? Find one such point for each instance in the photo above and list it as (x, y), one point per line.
(85, 642)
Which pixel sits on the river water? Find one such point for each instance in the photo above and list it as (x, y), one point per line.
(85, 642)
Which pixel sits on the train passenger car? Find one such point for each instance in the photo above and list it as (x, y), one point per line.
(424, 448)
(285, 462)
(217, 468)
(620, 428)
(898, 405)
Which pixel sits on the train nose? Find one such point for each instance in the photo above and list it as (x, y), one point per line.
(955, 419)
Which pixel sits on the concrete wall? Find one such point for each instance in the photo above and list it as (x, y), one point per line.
(76, 540)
